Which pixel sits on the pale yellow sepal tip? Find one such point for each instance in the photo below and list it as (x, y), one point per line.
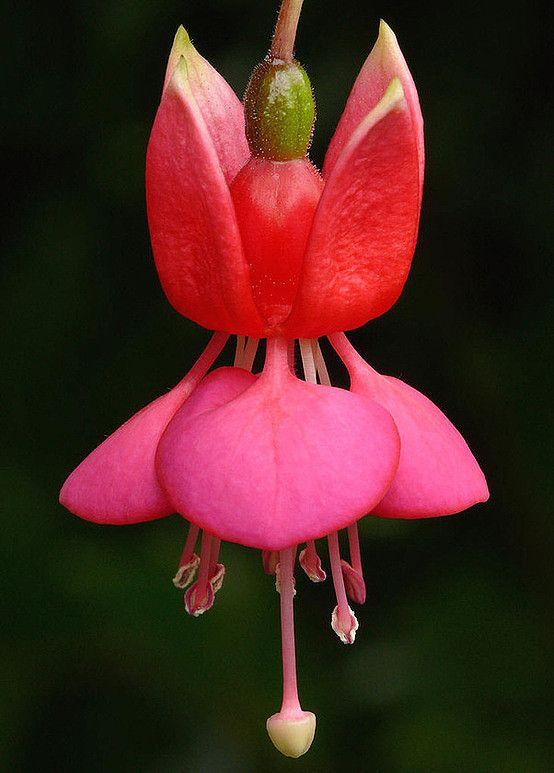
(292, 736)
(385, 32)
(181, 40)
(182, 53)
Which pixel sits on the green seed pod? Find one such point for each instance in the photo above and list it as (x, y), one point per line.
(280, 110)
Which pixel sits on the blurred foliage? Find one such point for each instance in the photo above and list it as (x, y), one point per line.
(102, 669)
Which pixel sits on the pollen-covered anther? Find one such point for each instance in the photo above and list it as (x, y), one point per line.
(353, 582)
(199, 598)
(278, 580)
(344, 624)
(310, 562)
(201, 594)
(217, 574)
(343, 619)
(189, 561)
(185, 573)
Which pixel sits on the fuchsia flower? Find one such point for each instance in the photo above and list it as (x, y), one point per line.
(251, 240)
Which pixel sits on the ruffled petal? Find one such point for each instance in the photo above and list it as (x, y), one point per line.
(383, 63)
(117, 482)
(365, 226)
(195, 237)
(280, 463)
(221, 109)
(437, 473)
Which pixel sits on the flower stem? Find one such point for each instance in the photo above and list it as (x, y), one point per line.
(282, 45)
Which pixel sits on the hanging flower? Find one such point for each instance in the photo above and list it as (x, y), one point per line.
(251, 240)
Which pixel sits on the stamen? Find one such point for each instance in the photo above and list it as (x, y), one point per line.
(278, 578)
(200, 596)
(189, 561)
(216, 545)
(270, 559)
(353, 582)
(291, 729)
(322, 371)
(290, 353)
(343, 619)
(308, 360)
(347, 579)
(250, 353)
(352, 572)
(217, 570)
(239, 351)
(311, 562)
(354, 547)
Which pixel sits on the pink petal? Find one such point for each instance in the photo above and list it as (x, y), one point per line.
(437, 474)
(221, 109)
(365, 227)
(383, 63)
(280, 463)
(193, 228)
(117, 482)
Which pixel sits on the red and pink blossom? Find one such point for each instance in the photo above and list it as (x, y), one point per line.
(251, 241)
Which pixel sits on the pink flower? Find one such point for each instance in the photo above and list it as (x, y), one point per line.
(251, 240)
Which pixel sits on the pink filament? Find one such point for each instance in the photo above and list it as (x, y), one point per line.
(205, 564)
(354, 546)
(190, 544)
(214, 552)
(239, 351)
(290, 704)
(336, 570)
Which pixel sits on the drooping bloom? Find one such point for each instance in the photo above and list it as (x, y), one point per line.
(251, 240)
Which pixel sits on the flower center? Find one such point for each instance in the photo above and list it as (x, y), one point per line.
(291, 729)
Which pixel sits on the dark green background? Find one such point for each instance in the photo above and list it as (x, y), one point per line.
(102, 668)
